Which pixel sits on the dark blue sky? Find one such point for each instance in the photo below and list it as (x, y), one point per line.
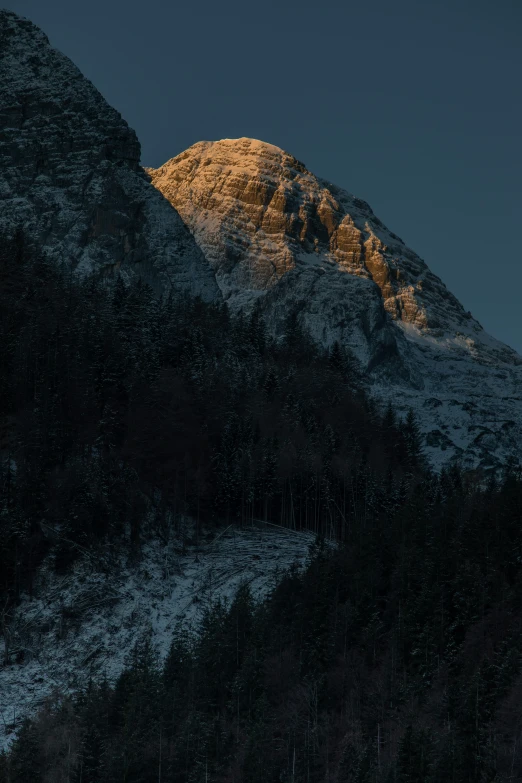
(412, 105)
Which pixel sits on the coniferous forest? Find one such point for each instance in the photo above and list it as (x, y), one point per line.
(393, 658)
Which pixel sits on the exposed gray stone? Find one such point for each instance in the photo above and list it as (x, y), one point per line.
(70, 172)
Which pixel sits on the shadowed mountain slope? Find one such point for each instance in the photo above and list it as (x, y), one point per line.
(70, 174)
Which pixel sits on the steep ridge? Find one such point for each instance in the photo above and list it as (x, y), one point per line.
(278, 237)
(70, 173)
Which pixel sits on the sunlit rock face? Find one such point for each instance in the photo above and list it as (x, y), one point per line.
(257, 229)
(70, 173)
(279, 238)
(259, 214)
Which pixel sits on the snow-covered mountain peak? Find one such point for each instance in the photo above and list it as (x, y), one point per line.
(278, 238)
(258, 229)
(70, 172)
(258, 213)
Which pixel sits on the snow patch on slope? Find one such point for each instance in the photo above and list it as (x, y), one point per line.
(83, 625)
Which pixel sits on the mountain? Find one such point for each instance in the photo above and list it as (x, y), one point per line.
(174, 481)
(279, 238)
(244, 221)
(70, 172)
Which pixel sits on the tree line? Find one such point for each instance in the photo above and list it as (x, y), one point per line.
(115, 405)
(393, 659)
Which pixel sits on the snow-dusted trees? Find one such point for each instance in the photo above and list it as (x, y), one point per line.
(111, 397)
(381, 662)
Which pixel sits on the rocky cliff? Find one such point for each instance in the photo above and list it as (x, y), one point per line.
(70, 172)
(279, 237)
(260, 214)
(257, 229)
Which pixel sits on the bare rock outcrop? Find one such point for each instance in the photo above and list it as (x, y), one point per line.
(259, 213)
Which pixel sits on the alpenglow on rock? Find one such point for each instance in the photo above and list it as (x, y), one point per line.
(279, 237)
(70, 174)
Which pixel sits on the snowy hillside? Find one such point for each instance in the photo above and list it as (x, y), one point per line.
(84, 624)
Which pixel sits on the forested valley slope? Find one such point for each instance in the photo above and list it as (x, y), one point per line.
(227, 551)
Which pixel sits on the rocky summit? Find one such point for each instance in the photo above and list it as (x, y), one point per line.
(243, 221)
(70, 172)
(279, 237)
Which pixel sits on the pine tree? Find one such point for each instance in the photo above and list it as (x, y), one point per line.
(271, 383)
(336, 358)
(414, 757)
(257, 332)
(119, 296)
(413, 438)
(26, 761)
